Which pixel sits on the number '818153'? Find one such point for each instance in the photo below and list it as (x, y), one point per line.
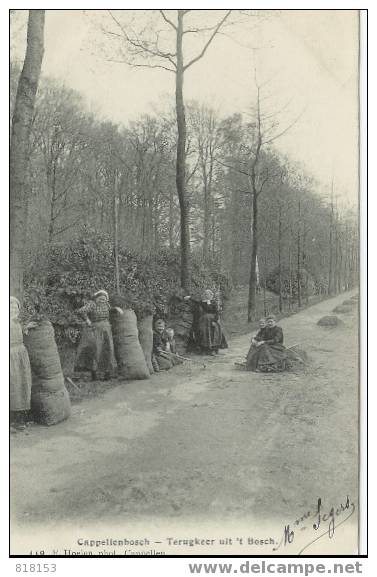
(35, 568)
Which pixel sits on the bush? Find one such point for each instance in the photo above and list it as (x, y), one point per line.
(329, 321)
(306, 280)
(342, 309)
(72, 272)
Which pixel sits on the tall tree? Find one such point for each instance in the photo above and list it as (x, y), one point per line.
(331, 236)
(145, 50)
(18, 155)
(263, 131)
(204, 125)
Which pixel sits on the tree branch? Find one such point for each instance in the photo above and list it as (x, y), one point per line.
(167, 19)
(283, 131)
(217, 28)
(141, 65)
(68, 226)
(192, 172)
(233, 168)
(142, 47)
(198, 30)
(153, 66)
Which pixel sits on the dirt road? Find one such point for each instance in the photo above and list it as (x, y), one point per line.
(204, 442)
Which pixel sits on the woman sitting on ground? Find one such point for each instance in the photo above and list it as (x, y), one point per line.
(267, 353)
(164, 355)
(256, 339)
(96, 349)
(207, 333)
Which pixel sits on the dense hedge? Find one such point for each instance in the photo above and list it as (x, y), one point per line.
(309, 284)
(69, 274)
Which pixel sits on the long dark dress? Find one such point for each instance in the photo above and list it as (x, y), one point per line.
(251, 358)
(207, 332)
(271, 356)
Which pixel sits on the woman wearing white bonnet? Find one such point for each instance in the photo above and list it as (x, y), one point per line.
(96, 350)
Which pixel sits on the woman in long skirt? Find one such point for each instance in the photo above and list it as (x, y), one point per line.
(20, 372)
(95, 352)
(207, 333)
(268, 354)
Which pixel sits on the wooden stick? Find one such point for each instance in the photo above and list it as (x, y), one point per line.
(69, 380)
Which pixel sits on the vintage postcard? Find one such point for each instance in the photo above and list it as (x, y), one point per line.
(184, 282)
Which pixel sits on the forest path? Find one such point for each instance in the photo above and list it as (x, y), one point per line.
(203, 441)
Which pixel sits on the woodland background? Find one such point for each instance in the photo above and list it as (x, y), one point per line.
(97, 192)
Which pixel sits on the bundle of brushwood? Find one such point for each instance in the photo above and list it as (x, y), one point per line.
(50, 401)
(128, 351)
(342, 309)
(145, 327)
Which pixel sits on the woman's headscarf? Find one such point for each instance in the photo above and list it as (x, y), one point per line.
(101, 293)
(16, 301)
(209, 294)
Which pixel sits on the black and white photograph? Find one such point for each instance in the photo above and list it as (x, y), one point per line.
(184, 252)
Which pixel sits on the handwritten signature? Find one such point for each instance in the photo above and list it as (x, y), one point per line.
(325, 522)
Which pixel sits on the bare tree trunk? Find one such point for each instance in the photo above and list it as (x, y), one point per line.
(181, 161)
(290, 279)
(206, 216)
(304, 263)
(18, 155)
(253, 264)
(279, 260)
(331, 265)
(51, 223)
(338, 257)
(51, 184)
(357, 262)
(299, 255)
(155, 224)
(171, 220)
(254, 251)
(213, 218)
(116, 236)
(235, 253)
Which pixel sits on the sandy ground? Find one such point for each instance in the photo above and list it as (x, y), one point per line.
(204, 441)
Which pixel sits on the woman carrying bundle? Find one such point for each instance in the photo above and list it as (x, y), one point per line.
(20, 372)
(207, 333)
(267, 353)
(96, 350)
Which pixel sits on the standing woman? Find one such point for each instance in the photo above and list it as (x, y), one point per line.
(207, 332)
(96, 349)
(20, 372)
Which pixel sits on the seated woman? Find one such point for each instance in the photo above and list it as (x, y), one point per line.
(207, 333)
(164, 355)
(256, 339)
(267, 352)
(96, 349)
